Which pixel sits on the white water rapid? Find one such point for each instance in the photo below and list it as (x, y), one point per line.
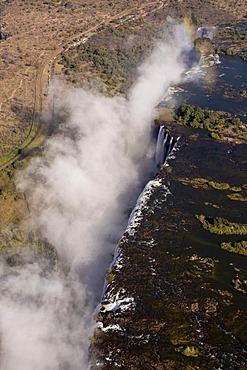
(164, 146)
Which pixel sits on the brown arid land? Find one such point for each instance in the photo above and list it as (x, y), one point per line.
(38, 31)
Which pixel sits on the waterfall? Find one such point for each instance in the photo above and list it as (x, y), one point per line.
(160, 146)
(171, 145)
(164, 146)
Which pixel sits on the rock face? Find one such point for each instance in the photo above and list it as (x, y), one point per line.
(170, 302)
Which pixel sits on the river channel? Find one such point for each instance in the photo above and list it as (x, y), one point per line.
(218, 84)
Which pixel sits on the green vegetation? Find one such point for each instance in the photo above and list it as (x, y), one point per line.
(14, 243)
(109, 276)
(237, 247)
(232, 40)
(221, 125)
(219, 185)
(212, 204)
(51, 2)
(238, 197)
(116, 67)
(22, 146)
(10, 199)
(219, 225)
(240, 285)
(191, 351)
(70, 65)
(199, 182)
(203, 43)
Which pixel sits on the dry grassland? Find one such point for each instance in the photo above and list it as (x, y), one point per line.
(38, 30)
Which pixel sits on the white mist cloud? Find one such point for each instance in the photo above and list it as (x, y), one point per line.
(43, 320)
(81, 191)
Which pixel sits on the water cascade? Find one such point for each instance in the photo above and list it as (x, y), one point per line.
(164, 146)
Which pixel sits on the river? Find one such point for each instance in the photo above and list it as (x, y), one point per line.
(218, 86)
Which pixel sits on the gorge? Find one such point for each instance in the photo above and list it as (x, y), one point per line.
(79, 194)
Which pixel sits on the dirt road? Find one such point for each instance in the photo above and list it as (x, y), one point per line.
(43, 74)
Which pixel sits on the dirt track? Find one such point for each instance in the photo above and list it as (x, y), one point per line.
(42, 74)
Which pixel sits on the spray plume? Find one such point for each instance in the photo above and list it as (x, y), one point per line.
(82, 188)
